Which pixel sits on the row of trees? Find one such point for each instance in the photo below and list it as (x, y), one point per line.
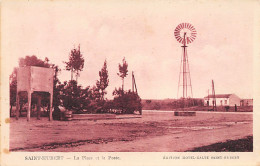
(171, 104)
(74, 97)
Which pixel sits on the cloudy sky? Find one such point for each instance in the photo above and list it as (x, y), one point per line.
(143, 33)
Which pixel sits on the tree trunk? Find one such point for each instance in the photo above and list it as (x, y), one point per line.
(102, 95)
(71, 75)
(123, 84)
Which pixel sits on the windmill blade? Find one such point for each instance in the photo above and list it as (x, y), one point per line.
(189, 26)
(178, 28)
(182, 26)
(189, 29)
(188, 40)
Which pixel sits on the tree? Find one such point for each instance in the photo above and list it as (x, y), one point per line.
(56, 87)
(75, 63)
(123, 71)
(103, 81)
(33, 61)
(127, 103)
(74, 97)
(96, 104)
(13, 88)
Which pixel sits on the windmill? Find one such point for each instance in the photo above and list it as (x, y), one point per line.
(185, 33)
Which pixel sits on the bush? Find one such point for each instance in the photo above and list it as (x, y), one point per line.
(127, 102)
(227, 108)
(75, 98)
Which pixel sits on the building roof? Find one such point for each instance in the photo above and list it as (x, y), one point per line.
(247, 99)
(219, 96)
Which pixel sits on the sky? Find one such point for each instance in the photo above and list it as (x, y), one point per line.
(143, 33)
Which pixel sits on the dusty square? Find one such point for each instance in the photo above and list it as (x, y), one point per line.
(155, 131)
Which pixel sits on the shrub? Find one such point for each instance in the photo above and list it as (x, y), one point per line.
(127, 102)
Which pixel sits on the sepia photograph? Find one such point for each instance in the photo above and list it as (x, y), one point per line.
(98, 78)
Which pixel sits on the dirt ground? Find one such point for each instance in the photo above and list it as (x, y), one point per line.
(239, 145)
(155, 131)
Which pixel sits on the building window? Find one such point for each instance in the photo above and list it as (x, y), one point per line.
(225, 101)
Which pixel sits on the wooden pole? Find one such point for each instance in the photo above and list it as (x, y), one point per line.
(208, 98)
(132, 81)
(135, 86)
(214, 97)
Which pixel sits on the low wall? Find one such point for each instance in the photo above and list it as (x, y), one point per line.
(184, 113)
(93, 116)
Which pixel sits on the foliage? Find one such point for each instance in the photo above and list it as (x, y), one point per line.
(127, 102)
(80, 100)
(33, 61)
(118, 92)
(123, 71)
(169, 104)
(103, 81)
(227, 108)
(13, 87)
(75, 98)
(96, 104)
(56, 87)
(75, 63)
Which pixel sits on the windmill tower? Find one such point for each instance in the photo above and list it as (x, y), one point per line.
(185, 33)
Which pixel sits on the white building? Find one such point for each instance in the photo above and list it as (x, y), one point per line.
(222, 100)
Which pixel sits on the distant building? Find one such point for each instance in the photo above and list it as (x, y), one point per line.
(222, 100)
(246, 102)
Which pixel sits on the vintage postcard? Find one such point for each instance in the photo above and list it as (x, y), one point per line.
(137, 82)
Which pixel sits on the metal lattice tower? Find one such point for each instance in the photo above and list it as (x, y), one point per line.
(185, 33)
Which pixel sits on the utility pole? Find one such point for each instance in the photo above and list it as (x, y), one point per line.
(213, 97)
(134, 87)
(208, 98)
